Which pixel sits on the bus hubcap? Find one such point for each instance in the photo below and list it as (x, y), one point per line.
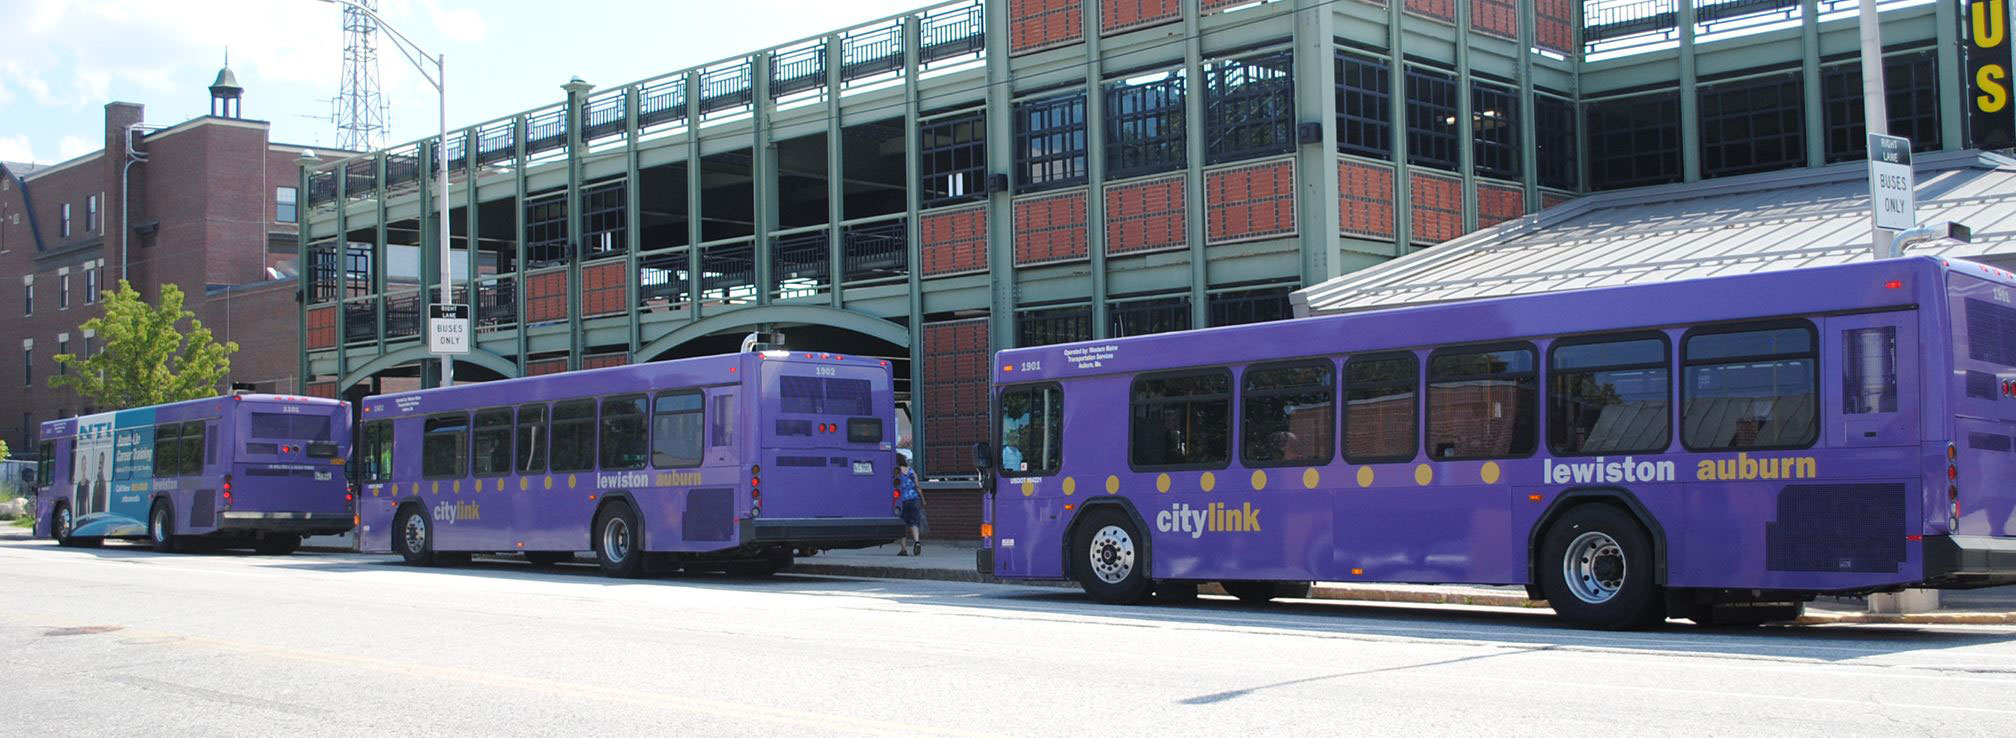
(616, 540)
(63, 523)
(1112, 554)
(416, 534)
(1594, 567)
(160, 525)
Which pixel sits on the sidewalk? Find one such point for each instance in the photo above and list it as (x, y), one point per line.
(954, 561)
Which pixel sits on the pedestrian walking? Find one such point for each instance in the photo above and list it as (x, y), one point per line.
(913, 508)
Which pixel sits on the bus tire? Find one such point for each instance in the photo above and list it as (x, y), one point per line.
(161, 527)
(281, 544)
(618, 541)
(1109, 557)
(545, 559)
(62, 524)
(413, 535)
(1596, 570)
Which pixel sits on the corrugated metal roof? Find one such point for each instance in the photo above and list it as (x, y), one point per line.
(1762, 222)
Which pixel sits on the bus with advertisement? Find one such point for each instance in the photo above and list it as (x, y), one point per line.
(238, 470)
(733, 463)
(1720, 449)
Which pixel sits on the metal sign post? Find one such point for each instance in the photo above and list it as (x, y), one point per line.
(447, 329)
(1893, 198)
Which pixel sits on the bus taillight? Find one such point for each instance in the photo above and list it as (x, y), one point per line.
(227, 491)
(755, 489)
(1952, 488)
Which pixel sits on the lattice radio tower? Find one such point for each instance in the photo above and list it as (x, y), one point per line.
(363, 119)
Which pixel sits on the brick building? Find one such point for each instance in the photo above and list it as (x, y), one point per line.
(981, 174)
(209, 205)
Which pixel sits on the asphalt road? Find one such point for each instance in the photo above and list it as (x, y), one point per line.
(120, 640)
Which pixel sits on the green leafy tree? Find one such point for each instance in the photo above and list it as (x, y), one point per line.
(3, 450)
(146, 359)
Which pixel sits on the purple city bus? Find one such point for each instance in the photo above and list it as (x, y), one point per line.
(732, 463)
(1718, 449)
(243, 469)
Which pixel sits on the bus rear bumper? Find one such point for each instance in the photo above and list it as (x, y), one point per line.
(1967, 562)
(823, 532)
(296, 522)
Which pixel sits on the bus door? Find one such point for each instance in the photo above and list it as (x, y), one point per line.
(1873, 385)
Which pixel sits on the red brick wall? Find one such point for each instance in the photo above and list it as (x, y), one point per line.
(1214, 5)
(1040, 24)
(1050, 228)
(1365, 199)
(955, 394)
(1146, 214)
(1249, 201)
(321, 327)
(953, 240)
(1438, 208)
(1549, 199)
(322, 389)
(545, 366)
(603, 289)
(1122, 15)
(1496, 17)
(600, 361)
(1498, 203)
(952, 514)
(1443, 9)
(546, 297)
(1554, 25)
(260, 319)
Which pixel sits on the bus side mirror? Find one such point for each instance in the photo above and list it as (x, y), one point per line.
(982, 459)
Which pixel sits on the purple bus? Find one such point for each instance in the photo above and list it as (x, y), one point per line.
(257, 470)
(1719, 449)
(731, 463)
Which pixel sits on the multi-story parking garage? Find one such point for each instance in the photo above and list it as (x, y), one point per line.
(976, 175)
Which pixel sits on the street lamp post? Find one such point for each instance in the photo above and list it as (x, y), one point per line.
(439, 79)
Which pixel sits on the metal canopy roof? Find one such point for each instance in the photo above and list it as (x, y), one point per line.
(1776, 220)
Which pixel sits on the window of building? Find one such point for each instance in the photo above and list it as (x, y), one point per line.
(1145, 125)
(1753, 125)
(286, 204)
(1379, 407)
(1364, 106)
(1249, 107)
(28, 296)
(1750, 388)
(546, 232)
(1053, 325)
(603, 220)
(1181, 421)
(1609, 395)
(1142, 317)
(953, 157)
(444, 446)
(91, 214)
(63, 292)
(573, 447)
(1032, 430)
(376, 454)
(531, 439)
(66, 220)
(1050, 145)
(1288, 414)
(62, 347)
(1494, 117)
(1240, 307)
(1911, 100)
(491, 442)
(676, 427)
(1482, 403)
(91, 284)
(27, 366)
(1634, 141)
(1554, 157)
(723, 432)
(1432, 138)
(623, 433)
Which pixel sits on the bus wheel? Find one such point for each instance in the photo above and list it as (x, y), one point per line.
(1255, 593)
(617, 541)
(548, 558)
(1109, 558)
(1596, 570)
(62, 524)
(278, 545)
(161, 527)
(415, 537)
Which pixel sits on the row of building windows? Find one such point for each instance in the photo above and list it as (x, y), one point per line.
(93, 274)
(1743, 388)
(625, 432)
(62, 347)
(90, 216)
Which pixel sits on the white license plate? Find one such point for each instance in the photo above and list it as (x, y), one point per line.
(864, 468)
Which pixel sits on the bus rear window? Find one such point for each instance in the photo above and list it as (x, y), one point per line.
(823, 395)
(864, 430)
(290, 427)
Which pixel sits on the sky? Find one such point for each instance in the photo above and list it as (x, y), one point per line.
(61, 61)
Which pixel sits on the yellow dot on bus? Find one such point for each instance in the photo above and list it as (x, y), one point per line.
(1028, 488)
(1162, 483)
(434, 487)
(524, 484)
(570, 481)
(479, 484)
(1423, 474)
(1259, 479)
(1070, 486)
(1112, 484)
(1209, 481)
(1490, 472)
(1311, 477)
(456, 486)
(549, 481)
(1364, 476)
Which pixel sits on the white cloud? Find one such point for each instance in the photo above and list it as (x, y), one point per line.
(16, 148)
(74, 146)
(463, 25)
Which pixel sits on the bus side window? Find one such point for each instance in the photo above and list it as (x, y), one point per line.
(531, 439)
(209, 446)
(1181, 420)
(573, 436)
(1286, 414)
(191, 454)
(676, 423)
(444, 445)
(47, 464)
(1750, 388)
(622, 433)
(492, 442)
(1380, 412)
(167, 451)
(377, 451)
(1032, 429)
(724, 421)
(1483, 403)
(1609, 394)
